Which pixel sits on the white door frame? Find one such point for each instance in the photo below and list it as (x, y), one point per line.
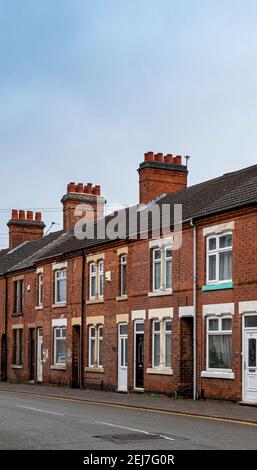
(136, 322)
(254, 330)
(39, 355)
(124, 368)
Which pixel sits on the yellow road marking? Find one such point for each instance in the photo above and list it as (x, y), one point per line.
(134, 407)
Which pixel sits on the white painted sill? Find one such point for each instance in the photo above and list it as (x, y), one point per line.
(98, 370)
(59, 305)
(95, 301)
(160, 293)
(121, 297)
(217, 375)
(58, 367)
(14, 366)
(157, 371)
(39, 307)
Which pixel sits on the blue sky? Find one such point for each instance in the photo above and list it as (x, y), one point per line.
(87, 86)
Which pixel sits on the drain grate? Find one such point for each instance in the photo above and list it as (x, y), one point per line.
(128, 437)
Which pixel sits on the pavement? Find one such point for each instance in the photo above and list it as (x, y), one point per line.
(54, 418)
(216, 409)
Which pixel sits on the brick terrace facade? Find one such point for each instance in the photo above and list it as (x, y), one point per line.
(85, 360)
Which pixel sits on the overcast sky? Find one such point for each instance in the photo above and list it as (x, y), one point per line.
(87, 86)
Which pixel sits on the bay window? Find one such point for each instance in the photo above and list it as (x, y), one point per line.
(219, 343)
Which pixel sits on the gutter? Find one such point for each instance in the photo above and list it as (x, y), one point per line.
(5, 328)
(194, 313)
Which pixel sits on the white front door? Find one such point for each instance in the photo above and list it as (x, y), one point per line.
(40, 355)
(250, 364)
(123, 357)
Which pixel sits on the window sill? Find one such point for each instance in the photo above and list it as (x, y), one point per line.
(224, 285)
(19, 314)
(218, 375)
(14, 366)
(160, 293)
(121, 297)
(157, 371)
(94, 301)
(58, 367)
(59, 305)
(39, 307)
(98, 370)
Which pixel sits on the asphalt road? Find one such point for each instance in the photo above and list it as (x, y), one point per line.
(28, 422)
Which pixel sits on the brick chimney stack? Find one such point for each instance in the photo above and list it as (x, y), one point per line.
(160, 174)
(78, 194)
(23, 227)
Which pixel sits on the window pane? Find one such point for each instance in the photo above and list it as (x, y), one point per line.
(220, 351)
(252, 352)
(212, 243)
(157, 276)
(92, 332)
(139, 326)
(100, 353)
(61, 290)
(123, 329)
(213, 325)
(168, 253)
(100, 331)
(225, 265)
(168, 350)
(157, 254)
(168, 280)
(92, 352)
(123, 279)
(126, 351)
(226, 324)
(156, 358)
(212, 268)
(156, 326)
(57, 333)
(60, 351)
(225, 240)
(251, 321)
(92, 286)
(168, 325)
(101, 285)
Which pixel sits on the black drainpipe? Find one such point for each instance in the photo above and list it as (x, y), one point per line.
(82, 323)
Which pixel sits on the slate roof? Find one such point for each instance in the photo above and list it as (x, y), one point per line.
(232, 190)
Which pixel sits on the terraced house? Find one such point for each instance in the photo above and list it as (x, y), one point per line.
(135, 313)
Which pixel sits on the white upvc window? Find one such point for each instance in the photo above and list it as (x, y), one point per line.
(40, 289)
(123, 275)
(219, 258)
(95, 346)
(101, 279)
(59, 345)
(219, 344)
(162, 269)
(157, 268)
(92, 281)
(161, 344)
(60, 286)
(168, 268)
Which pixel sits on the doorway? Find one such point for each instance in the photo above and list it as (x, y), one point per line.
(123, 357)
(139, 355)
(32, 354)
(40, 355)
(250, 359)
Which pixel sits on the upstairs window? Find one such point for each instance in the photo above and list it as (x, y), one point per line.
(101, 279)
(162, 269)
(92, 280)
(96, 280)
(60, 286)
(123, 275)
(219, 258)
(18, 297)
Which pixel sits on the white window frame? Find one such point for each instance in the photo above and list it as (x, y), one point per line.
(155, 333)
(40, 289)
(218, 332)
(92, 274)
(154, 263)
(167, 258)
(97, 339)
(100, 276)
(61, 338)
(216, 253)
(123, 269)
(62, 278)
(169, 335)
